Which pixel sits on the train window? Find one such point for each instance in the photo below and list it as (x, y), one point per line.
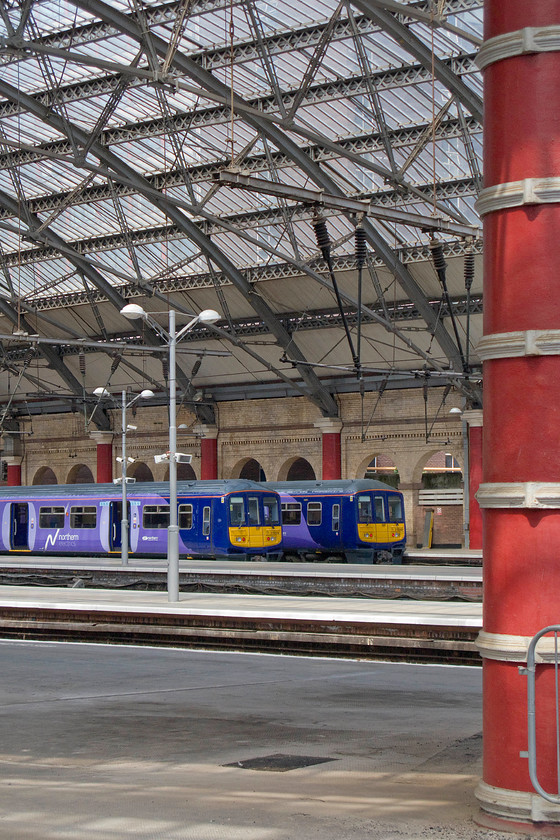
(205, 521)
(271, 511)
(291, 513)
(335, 517)
(395, 509)
(84, 516)
(364, 509)
(185, 517)
(254, 513)
(155, 516)
(314, 513)
(236, 511)
(51, 517)
(378, 504)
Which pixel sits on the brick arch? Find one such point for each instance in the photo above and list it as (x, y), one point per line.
(140, 471)
(184, 473)
(296, 468)
(248, 468)
(431, 452)
(80, 474)
(44, 475)
(388, 455)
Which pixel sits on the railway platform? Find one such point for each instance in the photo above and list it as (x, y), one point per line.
(106, 742)
(427, 580)
(425, 631)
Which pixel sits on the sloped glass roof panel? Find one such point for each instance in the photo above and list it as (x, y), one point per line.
(356, 104)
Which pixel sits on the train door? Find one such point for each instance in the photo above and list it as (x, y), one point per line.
(335, 537)
(115, 525)
(19, 534)
(254, 520)
(380, 515)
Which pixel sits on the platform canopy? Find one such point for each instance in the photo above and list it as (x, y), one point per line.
(309, 170)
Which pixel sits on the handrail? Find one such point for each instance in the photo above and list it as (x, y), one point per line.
(530, 671)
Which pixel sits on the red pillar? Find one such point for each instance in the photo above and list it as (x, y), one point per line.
(520, 350)
(104, 441)
(332, 464)
(14, 471)
(473, 420)
(209, 452)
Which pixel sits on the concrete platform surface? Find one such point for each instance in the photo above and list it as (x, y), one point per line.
(237, 567)
(102, 743)
(430, 613)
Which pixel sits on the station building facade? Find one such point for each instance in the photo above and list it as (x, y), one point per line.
(417, 446)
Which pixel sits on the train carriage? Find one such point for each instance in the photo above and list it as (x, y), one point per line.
(234, 519)
(352, 520)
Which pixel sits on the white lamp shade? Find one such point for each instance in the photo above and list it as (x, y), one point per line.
(132, 311)
(209, 316)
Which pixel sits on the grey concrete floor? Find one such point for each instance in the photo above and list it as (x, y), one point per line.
(104, 742)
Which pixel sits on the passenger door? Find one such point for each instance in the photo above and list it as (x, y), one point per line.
(380, 516)
(115, 526)
(255, 522)
(19, 532)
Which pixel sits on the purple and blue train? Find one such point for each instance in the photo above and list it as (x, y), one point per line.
(355, 520)
(230, 519)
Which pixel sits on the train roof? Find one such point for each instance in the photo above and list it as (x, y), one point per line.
(347, 486)
(145, 488)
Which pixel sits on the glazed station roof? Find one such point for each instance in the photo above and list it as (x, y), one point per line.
(307, 170)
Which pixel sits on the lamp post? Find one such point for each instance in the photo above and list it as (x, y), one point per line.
(146, 394)
(133, 311)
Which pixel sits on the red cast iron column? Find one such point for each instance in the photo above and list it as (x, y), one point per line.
(104, 441)
(14, 470)
(473, 419)
(520, 349)
(331, 428)
(209, 452)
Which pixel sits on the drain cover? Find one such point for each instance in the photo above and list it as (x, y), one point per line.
(279, 763)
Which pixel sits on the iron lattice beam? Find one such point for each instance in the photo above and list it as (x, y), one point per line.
(316, 391)
(276, 136)
(272, 271)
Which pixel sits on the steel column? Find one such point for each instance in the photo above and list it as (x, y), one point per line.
(521, 462)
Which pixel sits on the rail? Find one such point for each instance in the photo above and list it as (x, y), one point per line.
(548, 657)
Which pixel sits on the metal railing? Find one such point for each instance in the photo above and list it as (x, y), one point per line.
(549, 658)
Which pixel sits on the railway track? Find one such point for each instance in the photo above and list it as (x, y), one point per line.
(300, 579)
(343, 639)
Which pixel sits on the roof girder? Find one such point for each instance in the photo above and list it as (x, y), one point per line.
(316, 391)
(281, 141)
(99, 282)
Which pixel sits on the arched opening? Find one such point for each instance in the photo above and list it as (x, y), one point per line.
(301, 470)
(441, 500)
(80, 474)
(140, 471)
(252, 471)
(44, 475)
(441, 472)
(382, 468)
(184, 473)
